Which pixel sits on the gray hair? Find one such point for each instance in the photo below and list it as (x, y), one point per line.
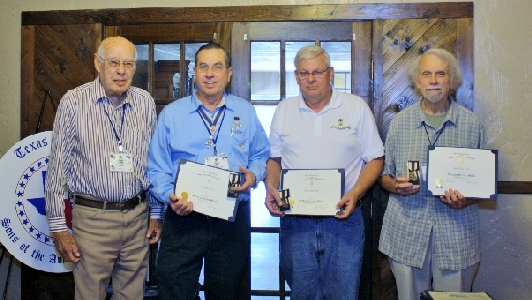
(309, 52)
(454, 67)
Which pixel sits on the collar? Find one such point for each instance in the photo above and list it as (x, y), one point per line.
(451, 115)
(101, 96)
(194, 103)
(334, 102)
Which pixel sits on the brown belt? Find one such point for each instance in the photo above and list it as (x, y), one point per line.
(107, 205)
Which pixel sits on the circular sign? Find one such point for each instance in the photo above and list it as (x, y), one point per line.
(23, 225)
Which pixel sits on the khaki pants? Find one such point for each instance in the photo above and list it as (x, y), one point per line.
(411, 281)
(113, 245)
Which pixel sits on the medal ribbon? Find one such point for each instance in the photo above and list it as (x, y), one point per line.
(212, 124)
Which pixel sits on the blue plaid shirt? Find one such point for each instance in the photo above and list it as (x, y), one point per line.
(409, 220)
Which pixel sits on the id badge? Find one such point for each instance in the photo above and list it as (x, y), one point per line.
(217, 161)
(121, 162)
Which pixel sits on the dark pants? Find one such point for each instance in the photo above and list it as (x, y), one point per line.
(189, 241)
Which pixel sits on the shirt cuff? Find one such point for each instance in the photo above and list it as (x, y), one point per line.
(57, 224)
(157, 212)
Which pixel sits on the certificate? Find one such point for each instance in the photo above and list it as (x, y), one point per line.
(473, 172)
(430, 295)
(207, 188)
(313, 192)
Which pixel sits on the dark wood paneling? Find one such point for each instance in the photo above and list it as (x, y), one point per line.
(299, 31)
(170, 33)
(224, 35)
(514, 187)
(325, 12)
(377, 61)
(361, 60)
(62, 60)
(403, 41)
(399, 36)
(27, 81)
(240, 82)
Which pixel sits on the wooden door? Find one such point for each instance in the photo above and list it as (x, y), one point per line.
(400, 42)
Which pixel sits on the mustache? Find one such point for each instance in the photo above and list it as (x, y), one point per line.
(436, 86)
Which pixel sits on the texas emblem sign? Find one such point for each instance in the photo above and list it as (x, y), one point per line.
(23, 226)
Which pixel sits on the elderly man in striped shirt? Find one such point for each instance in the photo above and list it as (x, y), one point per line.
(99, 151)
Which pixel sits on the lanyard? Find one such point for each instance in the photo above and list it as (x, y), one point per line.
(120, 147)
(212, 125)
(427, 132)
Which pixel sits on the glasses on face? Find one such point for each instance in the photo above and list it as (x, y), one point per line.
(204, 68)
(317, 74)
(115, 63)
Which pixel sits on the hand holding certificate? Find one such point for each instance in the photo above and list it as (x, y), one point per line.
(473, 172)
(312, 192)
(209, 188)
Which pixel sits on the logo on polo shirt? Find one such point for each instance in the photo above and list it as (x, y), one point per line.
(340, 125)
(23, 225)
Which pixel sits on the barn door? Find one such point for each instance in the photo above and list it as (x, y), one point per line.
(403, 40)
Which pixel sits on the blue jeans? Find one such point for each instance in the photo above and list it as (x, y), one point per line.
(321, 258)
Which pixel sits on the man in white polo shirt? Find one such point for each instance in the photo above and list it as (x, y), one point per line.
(321, 256)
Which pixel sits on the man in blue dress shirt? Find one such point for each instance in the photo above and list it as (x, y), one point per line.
(209, 125)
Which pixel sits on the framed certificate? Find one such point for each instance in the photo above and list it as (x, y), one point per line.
(473, 172)
(312, 192)
(208, 188)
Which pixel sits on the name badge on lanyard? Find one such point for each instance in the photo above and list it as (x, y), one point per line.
(121, 161)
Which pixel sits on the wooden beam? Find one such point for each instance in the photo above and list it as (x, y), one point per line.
(28, 81)
(514, 187)
(325, 12)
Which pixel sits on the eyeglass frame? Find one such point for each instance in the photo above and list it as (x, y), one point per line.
(216, 68)
(118, 62)
(316, 74)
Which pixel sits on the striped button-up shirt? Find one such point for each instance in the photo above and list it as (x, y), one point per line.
(409, 220)
(83, 140)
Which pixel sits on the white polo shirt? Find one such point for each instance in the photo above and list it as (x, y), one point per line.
(341, 136)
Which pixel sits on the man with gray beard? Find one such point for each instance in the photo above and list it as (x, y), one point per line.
(433, 242)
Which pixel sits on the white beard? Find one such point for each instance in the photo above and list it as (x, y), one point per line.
(434, 96)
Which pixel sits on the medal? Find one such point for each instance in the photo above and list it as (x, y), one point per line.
(212, 124)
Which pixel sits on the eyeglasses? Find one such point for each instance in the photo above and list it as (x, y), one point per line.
(204, 68)
(317, 74)
(115, 63)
